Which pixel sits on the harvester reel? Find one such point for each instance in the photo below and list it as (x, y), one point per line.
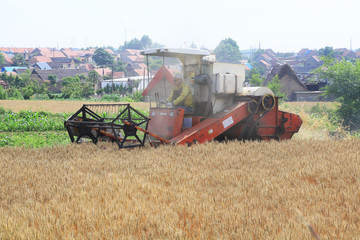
(268, 101)
(119, 124)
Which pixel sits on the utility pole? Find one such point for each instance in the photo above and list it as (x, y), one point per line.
(112, 77)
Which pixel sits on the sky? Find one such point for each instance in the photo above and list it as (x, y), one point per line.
(282, 25)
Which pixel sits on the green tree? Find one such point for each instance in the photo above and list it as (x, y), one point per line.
(146, 42)
(3, 94)
(93, 77)
(87, 90)
(18, 60)
(27, 92)
(155, 63)
(119, 66)
(102, 57)
(143, 43)
(256, 80)
(228, 51)
(53, 79)
(275, 86)
(254, 77)
(16, 94)
(327, 51)
(73, 87)
(345, 87)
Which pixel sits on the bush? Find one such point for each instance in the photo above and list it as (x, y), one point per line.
(3, 94)
(28, 92)
(111, 98)
(137, 97)
(16, 94)
(345, 87)
(2, 110)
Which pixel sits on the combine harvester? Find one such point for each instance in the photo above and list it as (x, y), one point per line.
(223, 109)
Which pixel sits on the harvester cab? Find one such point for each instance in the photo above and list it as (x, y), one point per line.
(222, 108)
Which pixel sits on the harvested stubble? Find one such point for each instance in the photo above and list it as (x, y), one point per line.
(253, 190)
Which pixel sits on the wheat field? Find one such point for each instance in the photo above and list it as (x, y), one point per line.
(55, 106)
(308, 189)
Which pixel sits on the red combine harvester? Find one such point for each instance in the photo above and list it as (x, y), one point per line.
(223, 109)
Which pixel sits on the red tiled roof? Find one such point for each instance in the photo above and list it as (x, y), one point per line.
(133, 51)
(119, 74)
(140, 72)
(159, 76)
(7, 58)
(76, 53)
(132, 58)
(11, 74)
(53, 54)
(91, 50)
(139, 59)
(103, 71)
(266, 56)
(142, 65)
(109, 51)
(265, 63)
(41, 59)
(347, 52)
(4, 49)
(22, 50)
(70, 53)
(46, 52)
(316, 58)
(89, 67)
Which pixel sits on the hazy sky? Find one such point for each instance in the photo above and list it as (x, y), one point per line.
(283, 25)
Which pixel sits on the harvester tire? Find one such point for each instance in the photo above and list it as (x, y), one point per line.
(268, 101)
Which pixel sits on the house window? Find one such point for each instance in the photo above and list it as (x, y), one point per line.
(69, 65)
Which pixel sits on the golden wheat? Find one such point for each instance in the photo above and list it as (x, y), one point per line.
(253, 190)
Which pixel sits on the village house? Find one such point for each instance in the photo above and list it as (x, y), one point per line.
(8, 61)
(47, 52)
(64, 63)
(131, 56)
(103, 71)
(136, 69)
(24, 52)
(267, 59)
(36, 59)
(290, 84)
(42, 76)
(348, 54)
(84, 56)
(312, 62)
(305, 53)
